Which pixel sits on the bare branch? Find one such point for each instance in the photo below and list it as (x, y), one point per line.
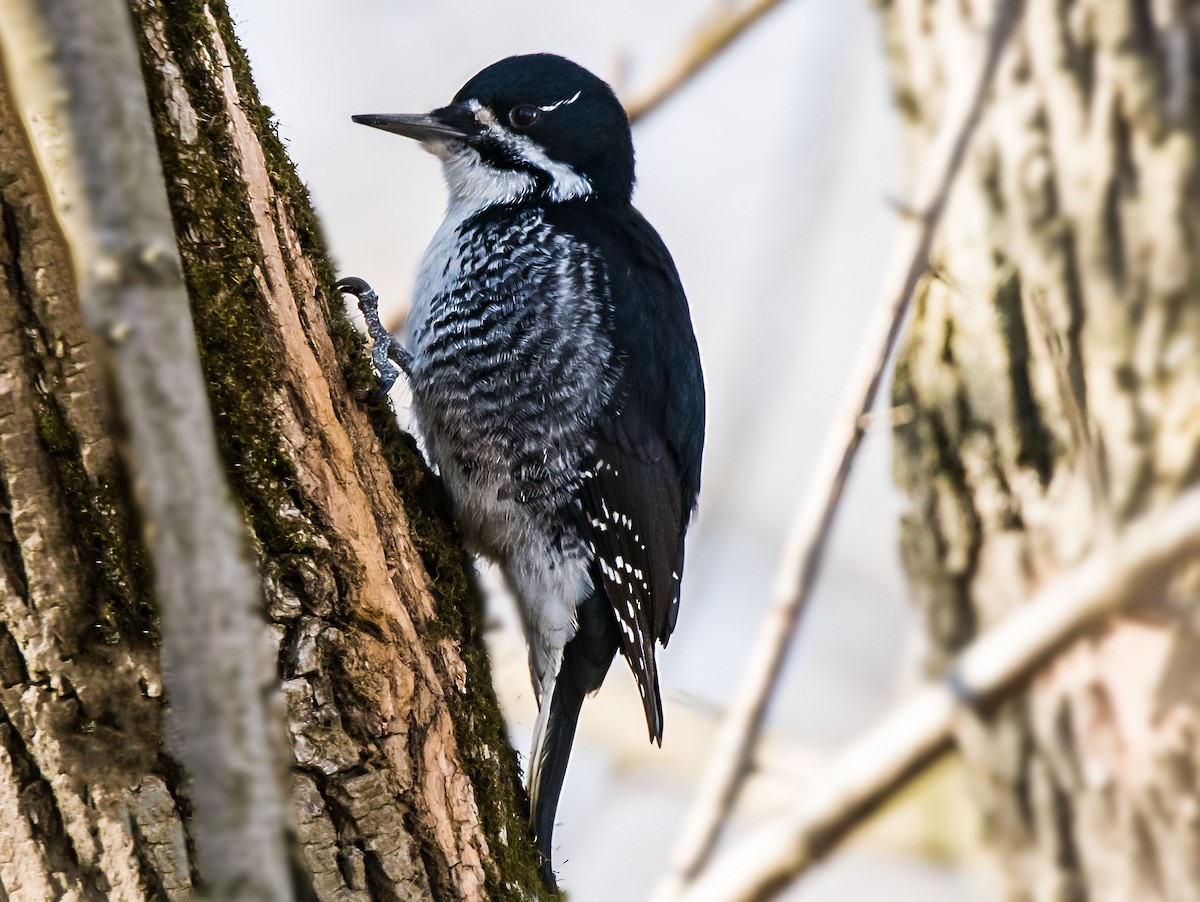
(920, 729)
(74, 66)
(806, 542)
(704, 46)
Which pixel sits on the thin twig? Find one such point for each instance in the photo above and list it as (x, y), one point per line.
(810, 531)
(702, 48)
(75, 68)
(1141, 563)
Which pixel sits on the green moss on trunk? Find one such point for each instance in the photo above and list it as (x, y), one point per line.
(219, 249)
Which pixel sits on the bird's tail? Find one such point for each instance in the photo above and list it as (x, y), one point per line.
(561, 715)
(585, 662)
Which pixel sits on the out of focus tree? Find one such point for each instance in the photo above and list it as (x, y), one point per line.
(1050, 393)
(399, 780)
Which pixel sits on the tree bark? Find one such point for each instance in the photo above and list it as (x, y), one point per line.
(1050, 386)
(402, 783)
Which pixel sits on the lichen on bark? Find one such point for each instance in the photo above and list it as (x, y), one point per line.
(1052, 374)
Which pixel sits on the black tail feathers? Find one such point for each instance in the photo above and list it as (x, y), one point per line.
(560, 736)
(585, 663)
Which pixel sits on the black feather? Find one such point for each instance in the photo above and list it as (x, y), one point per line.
(585, 663)
(642, 487)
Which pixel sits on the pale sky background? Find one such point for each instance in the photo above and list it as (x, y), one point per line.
(769, 179)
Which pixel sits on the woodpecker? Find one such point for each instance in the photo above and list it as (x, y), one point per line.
(556, 382)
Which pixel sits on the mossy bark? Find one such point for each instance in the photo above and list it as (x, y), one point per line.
(1051, 377)
(402, 783)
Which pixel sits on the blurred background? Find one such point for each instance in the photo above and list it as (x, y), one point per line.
(770, 178)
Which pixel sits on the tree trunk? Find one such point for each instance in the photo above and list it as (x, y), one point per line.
(1050, 386)
(402, 783)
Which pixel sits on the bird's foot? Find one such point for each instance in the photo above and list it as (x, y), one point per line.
(388, 355)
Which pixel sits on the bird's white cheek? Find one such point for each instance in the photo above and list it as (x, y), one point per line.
(475, 186)
(443, 150)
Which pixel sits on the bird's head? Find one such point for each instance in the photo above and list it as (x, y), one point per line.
(535, 126)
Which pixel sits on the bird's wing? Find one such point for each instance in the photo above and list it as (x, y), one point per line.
(635, 527)
(642, 484)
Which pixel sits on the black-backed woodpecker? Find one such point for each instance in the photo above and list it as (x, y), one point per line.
(556, 382)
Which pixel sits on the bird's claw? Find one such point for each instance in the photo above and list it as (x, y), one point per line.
(388, 355)
(357, 287)
(387, 378)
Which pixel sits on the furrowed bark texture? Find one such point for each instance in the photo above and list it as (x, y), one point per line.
(1052, 374)
(403, 784)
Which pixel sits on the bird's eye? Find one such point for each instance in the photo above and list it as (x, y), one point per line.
(524, 115)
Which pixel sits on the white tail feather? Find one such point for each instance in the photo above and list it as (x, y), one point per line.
(537, 754)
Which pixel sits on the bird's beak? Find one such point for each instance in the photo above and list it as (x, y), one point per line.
(449, 122)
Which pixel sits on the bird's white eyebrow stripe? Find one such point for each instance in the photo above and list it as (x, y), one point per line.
(554, 106)
(566, 182)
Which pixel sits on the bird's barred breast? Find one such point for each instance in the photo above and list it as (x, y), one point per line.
(512, 367)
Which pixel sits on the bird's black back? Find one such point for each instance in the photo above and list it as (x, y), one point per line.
(649, 438)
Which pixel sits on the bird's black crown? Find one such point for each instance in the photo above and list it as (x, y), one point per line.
(566, 110)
